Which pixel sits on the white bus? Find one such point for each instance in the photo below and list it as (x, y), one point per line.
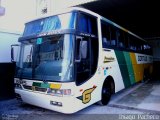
(75, 58)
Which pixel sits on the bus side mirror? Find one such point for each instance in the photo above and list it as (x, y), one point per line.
(77, 50)
(81, 49)
(13, 52)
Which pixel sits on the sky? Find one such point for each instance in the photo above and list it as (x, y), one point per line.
(17, 12)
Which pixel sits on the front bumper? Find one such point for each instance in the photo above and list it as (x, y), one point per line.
(69, 103)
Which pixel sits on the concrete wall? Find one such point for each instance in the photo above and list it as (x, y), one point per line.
(7, 38)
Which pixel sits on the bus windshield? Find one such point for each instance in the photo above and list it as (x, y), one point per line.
(57, 22)
(47, 59)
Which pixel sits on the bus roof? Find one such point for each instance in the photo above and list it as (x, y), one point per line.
(91, 13)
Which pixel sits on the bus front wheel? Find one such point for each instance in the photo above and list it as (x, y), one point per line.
(106, 92)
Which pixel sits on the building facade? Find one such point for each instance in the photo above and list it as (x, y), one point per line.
(7, 38)
(2, 9)
(44, 7)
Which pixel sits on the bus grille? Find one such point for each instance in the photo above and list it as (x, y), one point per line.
(35, 88)
(27, 87)
(40, 89)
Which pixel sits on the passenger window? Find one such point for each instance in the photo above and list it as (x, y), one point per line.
(121, 39)
(126, 39)
(132, 43)
(113, 36)
(105, 34)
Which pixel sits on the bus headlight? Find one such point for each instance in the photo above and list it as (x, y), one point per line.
(17, 84)
(59, 92)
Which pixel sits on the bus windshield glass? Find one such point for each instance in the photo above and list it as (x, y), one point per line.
(47, 59)
(49, 24)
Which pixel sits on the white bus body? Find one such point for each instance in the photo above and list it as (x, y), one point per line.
(69, 76)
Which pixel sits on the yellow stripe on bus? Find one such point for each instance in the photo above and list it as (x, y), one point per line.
(137, 68)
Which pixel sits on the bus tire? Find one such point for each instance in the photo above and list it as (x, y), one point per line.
(107, 91)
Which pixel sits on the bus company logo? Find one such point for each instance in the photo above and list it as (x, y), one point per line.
(86, 95)
(142, 58)
(108, 59)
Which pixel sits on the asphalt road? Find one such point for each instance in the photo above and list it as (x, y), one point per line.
(13, 110)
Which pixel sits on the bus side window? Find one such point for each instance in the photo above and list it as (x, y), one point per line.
(147, 48)
(113, 36)
(105, 34)
(113, 42)
(104, 42)
(122, 42)
(82, 26)
(132, 43)
(126, 39)
(87, 24)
